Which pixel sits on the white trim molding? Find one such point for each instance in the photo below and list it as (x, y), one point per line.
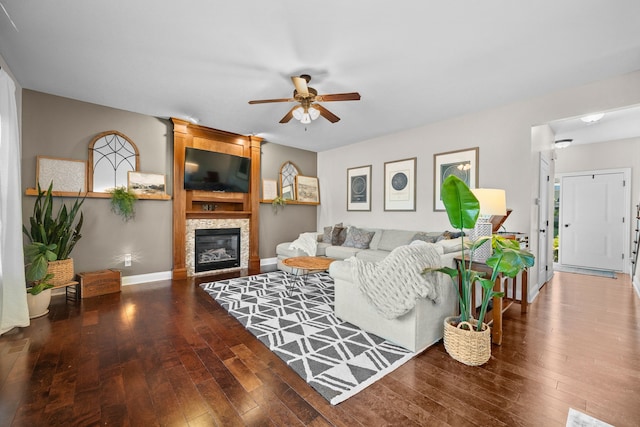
(145, 278)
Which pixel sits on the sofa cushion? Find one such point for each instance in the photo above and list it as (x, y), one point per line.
(376, 238)
(341, 252)
(391, 239)
(358, 238)
(283, 250)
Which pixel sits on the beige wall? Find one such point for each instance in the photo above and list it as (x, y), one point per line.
(290, 220)
(61, 127)
(507, 157)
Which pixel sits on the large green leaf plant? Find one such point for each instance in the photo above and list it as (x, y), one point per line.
(61, 230)
(507, 258)
(38, 256)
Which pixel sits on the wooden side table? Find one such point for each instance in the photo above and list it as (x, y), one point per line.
(498, 308)
(303, 265)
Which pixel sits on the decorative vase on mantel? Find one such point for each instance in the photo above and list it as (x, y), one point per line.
(464, 343)
(39, 304)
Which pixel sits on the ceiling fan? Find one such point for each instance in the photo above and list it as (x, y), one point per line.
(307, 97)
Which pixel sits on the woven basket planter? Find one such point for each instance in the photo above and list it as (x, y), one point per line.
(62, 271)
(467, 345)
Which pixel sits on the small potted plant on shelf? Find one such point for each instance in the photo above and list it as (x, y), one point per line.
(278, 202)
(59, 233)
(123, 202)
(38, 255)
(466, 339)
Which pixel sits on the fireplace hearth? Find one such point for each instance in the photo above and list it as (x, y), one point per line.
(216, 249)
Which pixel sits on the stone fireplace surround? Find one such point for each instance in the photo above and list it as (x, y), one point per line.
(199, 224)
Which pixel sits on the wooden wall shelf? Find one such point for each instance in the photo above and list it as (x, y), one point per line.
(96, 195)
(217, 214)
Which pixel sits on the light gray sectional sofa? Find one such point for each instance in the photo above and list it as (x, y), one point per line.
(415, 330)
(381, 244)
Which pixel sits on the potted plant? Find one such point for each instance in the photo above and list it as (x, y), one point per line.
(60, 232)
(123, 202)
(38, 255)
(278, 202)
(507, 259)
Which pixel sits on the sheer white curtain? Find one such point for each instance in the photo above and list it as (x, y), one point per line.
(13, 297)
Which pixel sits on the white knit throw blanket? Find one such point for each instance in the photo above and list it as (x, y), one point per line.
(394, 284)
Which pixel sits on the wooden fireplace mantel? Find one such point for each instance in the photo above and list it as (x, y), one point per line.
(190, 204)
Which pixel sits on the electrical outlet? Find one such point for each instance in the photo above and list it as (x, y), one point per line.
(127, 260)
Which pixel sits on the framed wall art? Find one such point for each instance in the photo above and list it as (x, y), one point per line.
(146, 183)
(269, 189)
(66, 174)
(462, 163)
(359, 188)
(400, 185)
(307, 189)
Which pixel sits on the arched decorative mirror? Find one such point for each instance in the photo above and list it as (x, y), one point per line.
(288, 173)
(111, 156)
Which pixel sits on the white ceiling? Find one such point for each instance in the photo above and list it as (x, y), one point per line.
(614, 125)
(413, 62)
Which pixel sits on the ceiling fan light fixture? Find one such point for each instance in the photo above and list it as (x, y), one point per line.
(306, 118)
(592, 118)
(314, 112)
(298, 113)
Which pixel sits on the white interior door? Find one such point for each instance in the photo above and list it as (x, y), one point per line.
(592, 220)
(543, 221)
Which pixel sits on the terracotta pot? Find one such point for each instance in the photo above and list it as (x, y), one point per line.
(465, 344)
(39, 304)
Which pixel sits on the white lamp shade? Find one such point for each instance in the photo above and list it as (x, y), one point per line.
(493, 201)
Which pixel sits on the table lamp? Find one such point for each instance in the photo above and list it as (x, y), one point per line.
(493, 201)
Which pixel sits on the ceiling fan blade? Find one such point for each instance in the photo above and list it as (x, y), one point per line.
(326, 113)
(288, 116)
(301, 86)
(351, 96)
(264, 101)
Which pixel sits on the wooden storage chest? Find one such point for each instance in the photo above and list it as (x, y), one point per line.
(101, 282)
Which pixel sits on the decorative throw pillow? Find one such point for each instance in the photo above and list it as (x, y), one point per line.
(338, 235)
(327, 233)
(425, 237)
(448, 235)
(358, 238)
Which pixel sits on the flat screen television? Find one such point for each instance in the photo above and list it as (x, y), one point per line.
(212, 171)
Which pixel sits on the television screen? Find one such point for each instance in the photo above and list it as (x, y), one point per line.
(213, 171)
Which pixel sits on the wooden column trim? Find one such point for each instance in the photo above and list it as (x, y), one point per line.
(254, 221)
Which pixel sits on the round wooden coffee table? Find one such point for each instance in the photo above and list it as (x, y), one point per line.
(301, 266)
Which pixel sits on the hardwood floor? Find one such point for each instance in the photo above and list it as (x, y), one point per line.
(165, 353)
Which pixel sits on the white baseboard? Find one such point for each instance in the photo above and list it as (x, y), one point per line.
(268, 261)
(636, 286)
(145, 278)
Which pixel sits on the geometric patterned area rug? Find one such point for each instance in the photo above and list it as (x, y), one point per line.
(578, 419)
(297, 323)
